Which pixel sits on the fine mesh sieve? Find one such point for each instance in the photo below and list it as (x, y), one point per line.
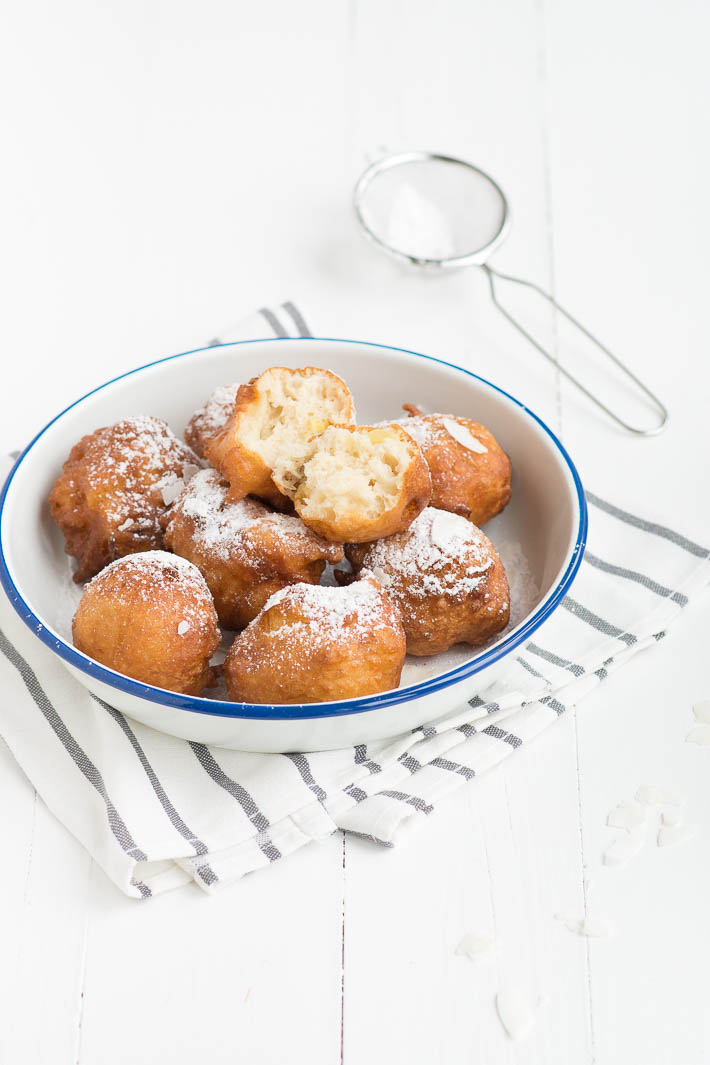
(439, 213)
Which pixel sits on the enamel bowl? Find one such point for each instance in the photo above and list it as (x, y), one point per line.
(546, 520)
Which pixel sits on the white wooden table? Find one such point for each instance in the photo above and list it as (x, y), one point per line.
(170, 166)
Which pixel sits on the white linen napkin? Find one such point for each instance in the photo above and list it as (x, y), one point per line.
(156, 812)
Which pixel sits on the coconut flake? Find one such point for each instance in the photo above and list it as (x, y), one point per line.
(514, 1013)
(473, 946)
(652, 795)
(183, 627)
(445, 530)
(623, 849)
(380, 576)
(699, 734)
(590, 927)
(171, 489)
(702, 711)
(461, 434)
(670, 835)
(627, 815)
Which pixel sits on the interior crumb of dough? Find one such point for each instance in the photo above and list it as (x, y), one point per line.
(292, 409)
(351, 471)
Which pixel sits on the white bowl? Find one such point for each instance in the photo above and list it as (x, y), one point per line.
(547, 516)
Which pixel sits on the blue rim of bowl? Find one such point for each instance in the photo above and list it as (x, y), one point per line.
(299, 711)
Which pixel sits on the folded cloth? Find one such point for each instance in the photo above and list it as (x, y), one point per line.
(156, 812)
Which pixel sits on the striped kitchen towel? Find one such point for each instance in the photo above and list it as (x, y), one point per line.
(157, 812)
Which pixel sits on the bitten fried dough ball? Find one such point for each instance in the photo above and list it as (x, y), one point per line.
(446, 578)
(116, 487)
(245, 551)
(358, 483)
(150, 616)
(470, 472)
(315, 644)
(211, 418)
(273, 418)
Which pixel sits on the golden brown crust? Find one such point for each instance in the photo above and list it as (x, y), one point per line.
(109, 499)
(150, 616)
(308, 646)
(353, 526)
(475, 484)
(438, 625)
(446, 579)
(245, 470)
(245, 551)
(211, 418)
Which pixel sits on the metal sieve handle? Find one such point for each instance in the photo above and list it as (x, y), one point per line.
(494, 275)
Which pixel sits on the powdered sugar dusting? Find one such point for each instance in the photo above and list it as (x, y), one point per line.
(164, 582)
(212, 417)
(328, 615)
(223, 527)
(440, 554)
(149, 572)
(137, 458)
(524, 589)
(431, 429)
(420, 428)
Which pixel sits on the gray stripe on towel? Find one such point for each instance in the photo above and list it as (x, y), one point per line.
(303, 766)
(361, 758)
(500, 734)
(410, 800)
(554, 704)
(596, 622)
(554, 660)
(273, 321)
(410, 763)
(355, 793)
(649, 526)
(638, 578)
(298, 319)
(371, 839)
(174, 817)
(454, 767)
(531, 669)
(73, 749)
(245, 800)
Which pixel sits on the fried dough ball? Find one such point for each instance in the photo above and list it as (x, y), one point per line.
(115, 488)
(446, 578)
(245, 551)
(358, 483)
(273, 418)
(470, 472)
(211, 418)
(150, 616)
(314, 644)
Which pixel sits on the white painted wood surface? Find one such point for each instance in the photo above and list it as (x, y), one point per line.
(167, 168)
